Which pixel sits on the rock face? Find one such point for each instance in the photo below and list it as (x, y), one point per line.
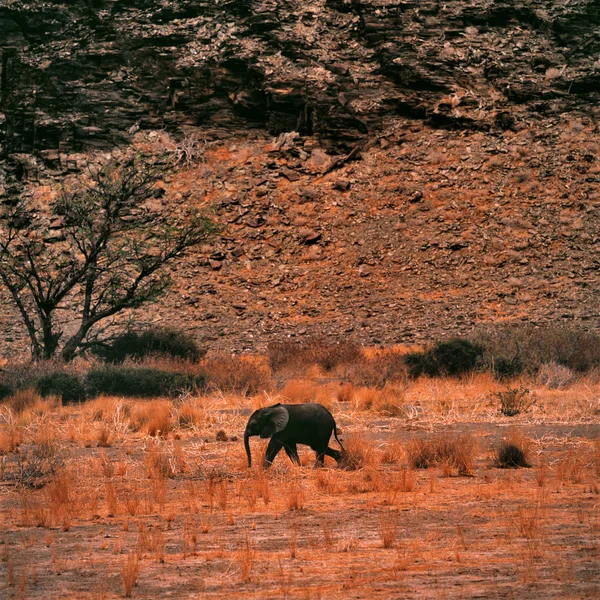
(88, 73)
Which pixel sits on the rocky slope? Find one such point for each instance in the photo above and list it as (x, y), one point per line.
(474, 199)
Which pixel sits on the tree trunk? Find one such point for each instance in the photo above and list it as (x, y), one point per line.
(49, 338)
(69, 349)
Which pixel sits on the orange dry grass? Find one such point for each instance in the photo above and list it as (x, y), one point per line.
(152, 418)
(246, 375)
(298, 391)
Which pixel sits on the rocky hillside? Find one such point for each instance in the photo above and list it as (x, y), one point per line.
(469, 197)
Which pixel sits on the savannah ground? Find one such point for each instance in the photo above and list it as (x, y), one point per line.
(152, 499)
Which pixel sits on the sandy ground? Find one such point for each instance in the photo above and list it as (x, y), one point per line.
(185, 515)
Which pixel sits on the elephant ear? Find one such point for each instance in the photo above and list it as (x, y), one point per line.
(276, 421)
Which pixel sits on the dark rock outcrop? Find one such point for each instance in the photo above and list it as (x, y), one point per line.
(88, 72)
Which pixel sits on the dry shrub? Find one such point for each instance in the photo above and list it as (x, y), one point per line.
(298, 391)
(10, 438)
(406, 480)
(526, 349)
(385, 401)
(378, 369)
(393, 453)
(345, 392)
(295, 356)
(109, 409)
(448, 450)
(190, 414)
(514, 400)
(571, 467)
(245, 375)
(152, 417)
(513, 452)
(158, 464)
(328, 534)
(29, 401)
(555, 376)
(360, 453)
(60, 493)
(130, 573)
(21, 375)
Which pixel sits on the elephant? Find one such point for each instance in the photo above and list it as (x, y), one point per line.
(291, 424)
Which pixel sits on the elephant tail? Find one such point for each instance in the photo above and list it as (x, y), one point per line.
(335, 433)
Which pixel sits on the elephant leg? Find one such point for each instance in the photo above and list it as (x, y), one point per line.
(272, 450)
(320, 457)
(335, 454)
(292, 451)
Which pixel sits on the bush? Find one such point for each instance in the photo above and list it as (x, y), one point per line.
(5, 391)
(239, 374)
(139, 344)
(514, 400)
(512, 350)
(452, 357)
(513, 452)
(378, 369)
(66, 385)
(139, 382)
(448, 450)
(313, 351)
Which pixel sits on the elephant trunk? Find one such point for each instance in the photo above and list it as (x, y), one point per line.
(247, 445)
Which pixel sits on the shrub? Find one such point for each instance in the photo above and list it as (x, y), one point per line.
(512, 350)
(66, 385)
(139, 382)
(313, 351)
(514, 400)
(449, 450)
(5, 391)
(554, 376)
(22, 375)
(453, 357)
(512, 453)
(378, 369)
(240, 374)
(139, 344)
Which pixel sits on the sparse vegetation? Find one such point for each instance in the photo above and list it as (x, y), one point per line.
(140, 344)
(146, 482)
(315, 351)
(139, 382)
(514, 400)
(451, 451)
(453, 357)
(98, 246)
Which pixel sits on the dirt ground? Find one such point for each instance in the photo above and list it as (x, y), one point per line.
(181, 514)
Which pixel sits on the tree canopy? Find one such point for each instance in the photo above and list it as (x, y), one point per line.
(99, 248)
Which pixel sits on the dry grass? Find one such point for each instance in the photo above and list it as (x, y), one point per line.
(245, 559)
(152, 418)
(388, 528)
(130, 573)
(449, 451)
(246, 375)
(360, 452)
(186, 502)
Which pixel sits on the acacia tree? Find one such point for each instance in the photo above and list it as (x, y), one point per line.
(100, 248)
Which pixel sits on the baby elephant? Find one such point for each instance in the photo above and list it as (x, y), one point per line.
(291, 424)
